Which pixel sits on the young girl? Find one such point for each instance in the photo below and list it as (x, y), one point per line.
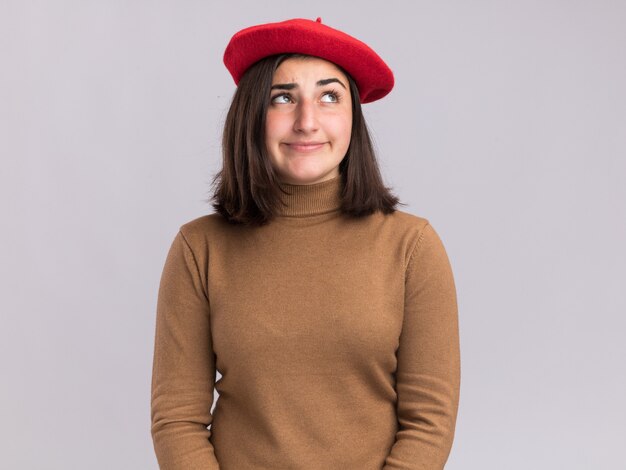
(330, 315)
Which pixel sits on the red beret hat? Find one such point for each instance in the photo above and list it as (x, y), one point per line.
(372, 76)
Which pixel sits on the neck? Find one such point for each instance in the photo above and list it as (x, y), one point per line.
(303, 200)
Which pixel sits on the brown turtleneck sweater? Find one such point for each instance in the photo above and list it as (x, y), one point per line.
(336, 340)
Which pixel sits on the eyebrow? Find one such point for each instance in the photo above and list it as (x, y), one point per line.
(291, 86)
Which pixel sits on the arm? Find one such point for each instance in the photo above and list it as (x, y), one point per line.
(183, 374)
(428, 374)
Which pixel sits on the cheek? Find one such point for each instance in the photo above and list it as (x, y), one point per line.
(343, 129)
(276, 128)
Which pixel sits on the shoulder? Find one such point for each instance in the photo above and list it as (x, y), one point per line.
(396, 233)
(403, 225)
(199, 224)
(416, 233)
(408, 220)
(199, 231)
(426, 244)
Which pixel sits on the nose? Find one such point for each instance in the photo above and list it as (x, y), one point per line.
(306, 117)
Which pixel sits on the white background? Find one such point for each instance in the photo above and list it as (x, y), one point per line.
(506, 129)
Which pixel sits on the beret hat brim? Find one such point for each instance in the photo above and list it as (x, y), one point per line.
(373, 77)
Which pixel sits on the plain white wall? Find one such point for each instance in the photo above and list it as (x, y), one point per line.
(506, 129)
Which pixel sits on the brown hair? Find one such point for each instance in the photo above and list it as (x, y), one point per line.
(248, 187)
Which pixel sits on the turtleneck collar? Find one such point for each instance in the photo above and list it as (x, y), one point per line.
(311, 199)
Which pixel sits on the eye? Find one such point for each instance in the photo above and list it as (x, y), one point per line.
(334, 96)
(279, 98)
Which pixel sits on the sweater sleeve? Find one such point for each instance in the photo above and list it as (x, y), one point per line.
(183, 373)
(428, 367)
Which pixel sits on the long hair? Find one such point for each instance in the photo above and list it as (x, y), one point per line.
(247, 187)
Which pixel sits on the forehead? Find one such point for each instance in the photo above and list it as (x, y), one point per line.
(297, 68)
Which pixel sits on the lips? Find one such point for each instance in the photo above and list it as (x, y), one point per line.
(305, 146)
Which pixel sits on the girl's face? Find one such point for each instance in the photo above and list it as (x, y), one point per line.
(309, 120)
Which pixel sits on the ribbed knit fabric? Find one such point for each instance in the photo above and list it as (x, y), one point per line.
(336, 340)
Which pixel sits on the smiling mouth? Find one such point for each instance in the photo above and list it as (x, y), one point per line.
(305, 147)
